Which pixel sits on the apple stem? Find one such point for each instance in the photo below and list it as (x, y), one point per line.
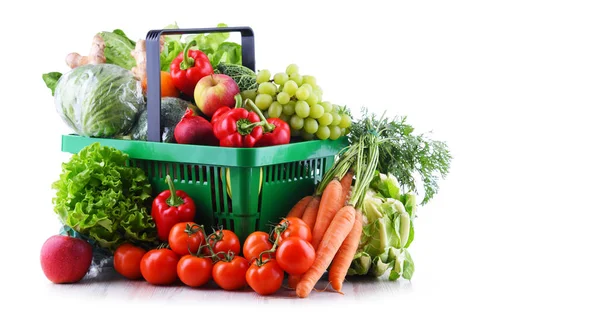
(187, 61)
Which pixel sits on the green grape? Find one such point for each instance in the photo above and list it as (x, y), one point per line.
(302, 109)
(345, 121)
(325, 119)
(309, 87)
(323, 132)
(284, 117)
(267, 88)
(316, 111)
(296, 122)
(310, 125)
(248, 94)
(280, 78)
(283, 97)
(292, 68)
(311, 80)
(336, 118)
(318, 95)
(307, 136)
(295, 133)
(296, 78)
(290, 87)
(302, 93)
(263, 101)
(344, 131)
(289, 108)
(326, 106)
(335, 132)
(312, 99)
(335, 108)
(275, 109)
(263, 76)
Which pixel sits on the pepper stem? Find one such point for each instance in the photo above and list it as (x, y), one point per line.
(267, 127)
(173, 199)
(238, 101)
(187, 61)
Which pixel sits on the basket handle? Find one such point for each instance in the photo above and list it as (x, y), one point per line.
(153, 67)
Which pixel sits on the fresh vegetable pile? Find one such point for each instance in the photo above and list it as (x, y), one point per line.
(358, 221)
(104, 95)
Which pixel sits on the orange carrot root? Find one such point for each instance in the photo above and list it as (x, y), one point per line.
(347, 185)
(331, 202)
(299, 207)
(310, 213)
(343, 258)
(334, 236)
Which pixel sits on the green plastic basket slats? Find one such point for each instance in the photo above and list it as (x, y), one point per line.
(264, 183)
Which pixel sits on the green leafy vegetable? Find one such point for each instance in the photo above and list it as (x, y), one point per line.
(51, 80)
(118, 49)
(243, 76)
(404, 153)
(387, 231)
(100, 197)
(101, 100)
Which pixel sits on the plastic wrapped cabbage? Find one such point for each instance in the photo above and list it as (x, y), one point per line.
(101, 100)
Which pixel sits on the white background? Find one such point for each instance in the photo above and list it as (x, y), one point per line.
(511, 86)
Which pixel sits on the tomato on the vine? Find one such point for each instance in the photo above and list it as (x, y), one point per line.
(256, 243)
(295, 255)
(296, 227)
(126, 261)
(224, 241)
(185, 238)
(159, 266)
(194, 271)
(265, 279)
(231, 275)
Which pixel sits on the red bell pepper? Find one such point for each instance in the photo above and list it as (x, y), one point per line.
(171, 207)
(280, 133)
(186, 72)
(238, 128)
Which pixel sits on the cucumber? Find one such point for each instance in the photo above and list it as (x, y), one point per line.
(171, 112)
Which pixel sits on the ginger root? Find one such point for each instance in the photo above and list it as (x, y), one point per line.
(139, 54)
(96, 55)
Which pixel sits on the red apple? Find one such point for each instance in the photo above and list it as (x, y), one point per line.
(215, 91)
(65, 259)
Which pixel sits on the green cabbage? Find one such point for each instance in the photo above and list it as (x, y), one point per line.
(387, 232)
(99, 100)
(100, 197)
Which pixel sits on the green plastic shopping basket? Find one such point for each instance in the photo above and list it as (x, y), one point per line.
(241, 189)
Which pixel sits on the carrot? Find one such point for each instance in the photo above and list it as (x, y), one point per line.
(310, 213)
(343, 258)
(331, 202)
(334, 236)
(293, 280)
(299, 207)
(347, 184)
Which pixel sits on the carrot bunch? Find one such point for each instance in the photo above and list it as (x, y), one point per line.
(332, 213)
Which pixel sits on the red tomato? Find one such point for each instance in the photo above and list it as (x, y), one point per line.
(229, 242)
(194, 271)
(266, 279)
(182, 242)
(126, 261)
(295, 255)
(231, 275)
(256, 243)
(159, 266)
(296, 228)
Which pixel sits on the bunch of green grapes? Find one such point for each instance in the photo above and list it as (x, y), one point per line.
(298, 100)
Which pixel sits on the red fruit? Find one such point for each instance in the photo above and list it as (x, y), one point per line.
(215, 91)
(65, 259)
(195, 130)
